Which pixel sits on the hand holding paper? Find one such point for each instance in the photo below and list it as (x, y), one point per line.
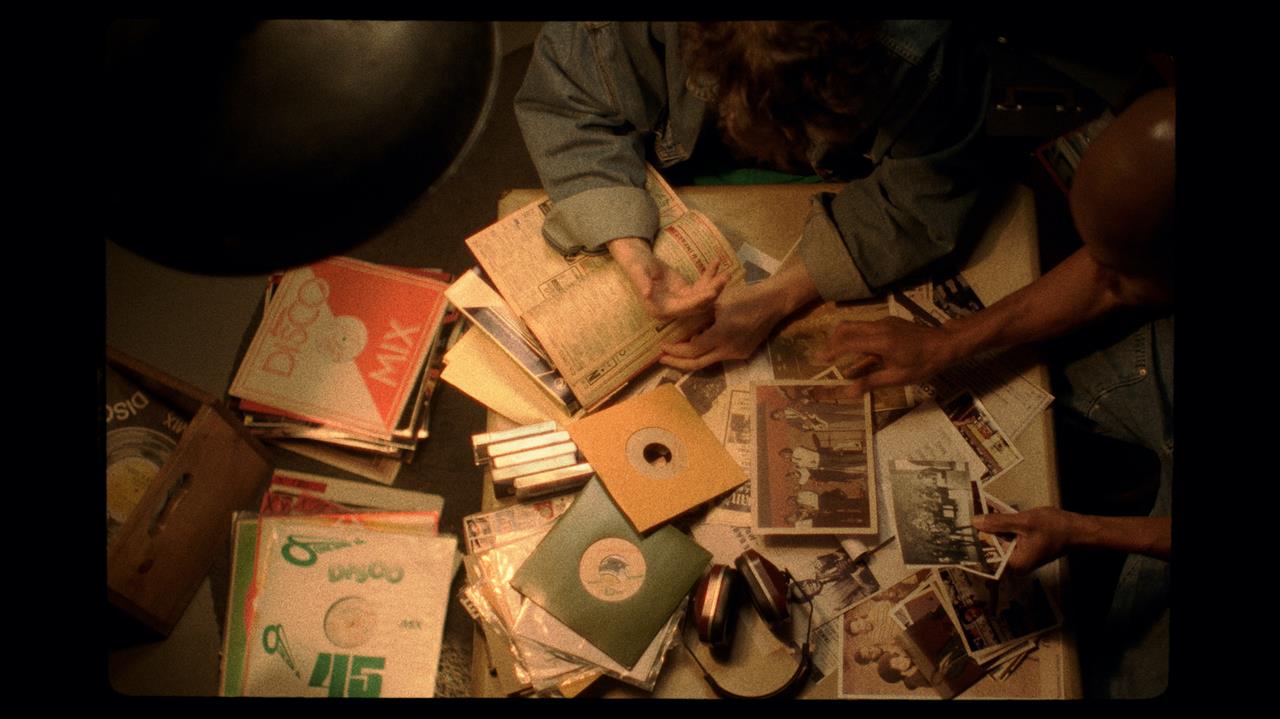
(666, 293)
(1043, 534)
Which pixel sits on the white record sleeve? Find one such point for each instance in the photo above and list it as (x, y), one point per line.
(344, 610)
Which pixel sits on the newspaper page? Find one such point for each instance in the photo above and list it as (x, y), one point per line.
(583, 309)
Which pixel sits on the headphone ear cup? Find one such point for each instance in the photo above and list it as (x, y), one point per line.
(713, 609)
(766, 584)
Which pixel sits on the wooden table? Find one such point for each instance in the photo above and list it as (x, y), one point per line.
(769, 217)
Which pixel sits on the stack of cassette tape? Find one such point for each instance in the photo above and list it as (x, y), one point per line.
(531, 461)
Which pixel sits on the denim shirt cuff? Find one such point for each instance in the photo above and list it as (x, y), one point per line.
(827, 259)
(586, 221)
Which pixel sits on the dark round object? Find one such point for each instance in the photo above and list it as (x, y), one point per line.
(245, 147)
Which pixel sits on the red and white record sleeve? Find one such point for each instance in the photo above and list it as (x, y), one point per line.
(343, 342)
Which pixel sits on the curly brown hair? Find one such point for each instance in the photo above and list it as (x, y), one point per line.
(776, 81)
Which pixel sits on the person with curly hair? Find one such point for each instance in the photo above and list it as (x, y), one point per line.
(893, 109)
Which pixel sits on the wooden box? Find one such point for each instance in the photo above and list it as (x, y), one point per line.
(164, 550)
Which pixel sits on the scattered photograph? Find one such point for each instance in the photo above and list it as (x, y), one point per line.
(1003, 545)
(912, 607)
(934, 644)
(979, 429)
(874, 662)
(890, 403)
(880, 659)
(955, 297)
(834, 582)
(703, 387)
(916, 304)
(933, 508)
(993, 613)
(793, 351)
(813, 473)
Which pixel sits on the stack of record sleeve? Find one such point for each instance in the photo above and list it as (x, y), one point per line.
(344, 364)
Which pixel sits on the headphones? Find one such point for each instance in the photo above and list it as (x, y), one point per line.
(714, 613)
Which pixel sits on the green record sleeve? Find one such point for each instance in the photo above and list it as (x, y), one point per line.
(604, 581)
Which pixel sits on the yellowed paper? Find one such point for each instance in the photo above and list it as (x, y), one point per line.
(480, 369)
(583, 309)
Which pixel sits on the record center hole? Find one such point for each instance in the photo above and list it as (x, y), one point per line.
(657, 454)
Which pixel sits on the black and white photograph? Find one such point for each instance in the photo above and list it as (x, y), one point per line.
(998, 547)
(933, 508)
(834, 583)
(703, 387)
(955, 297)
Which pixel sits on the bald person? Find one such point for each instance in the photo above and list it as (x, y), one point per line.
(1122, 204)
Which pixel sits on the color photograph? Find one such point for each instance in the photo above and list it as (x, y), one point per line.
(812, 472)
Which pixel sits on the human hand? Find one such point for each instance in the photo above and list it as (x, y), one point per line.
(667, 295)
(901, 352)
(744, 315)
(1044, 534)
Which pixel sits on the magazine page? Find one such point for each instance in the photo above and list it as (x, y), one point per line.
(557, 295)
(526, 270)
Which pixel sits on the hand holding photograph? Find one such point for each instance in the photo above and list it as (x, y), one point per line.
(933, 508)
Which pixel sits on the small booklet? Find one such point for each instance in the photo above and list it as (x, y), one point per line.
(583, 311)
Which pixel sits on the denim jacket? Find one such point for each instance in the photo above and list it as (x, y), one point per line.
(600, 98)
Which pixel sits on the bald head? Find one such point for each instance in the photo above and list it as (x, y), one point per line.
(1122, 194)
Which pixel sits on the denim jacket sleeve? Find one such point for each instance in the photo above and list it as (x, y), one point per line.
(928, 171)
(586, 108)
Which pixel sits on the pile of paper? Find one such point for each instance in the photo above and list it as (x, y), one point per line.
(344, 363)
(554, 337)
(943, 631)
(849, 493)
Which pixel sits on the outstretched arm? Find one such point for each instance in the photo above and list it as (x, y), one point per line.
(1046, 533)
(1122, 202)
(585, 123)
(1075, 293)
